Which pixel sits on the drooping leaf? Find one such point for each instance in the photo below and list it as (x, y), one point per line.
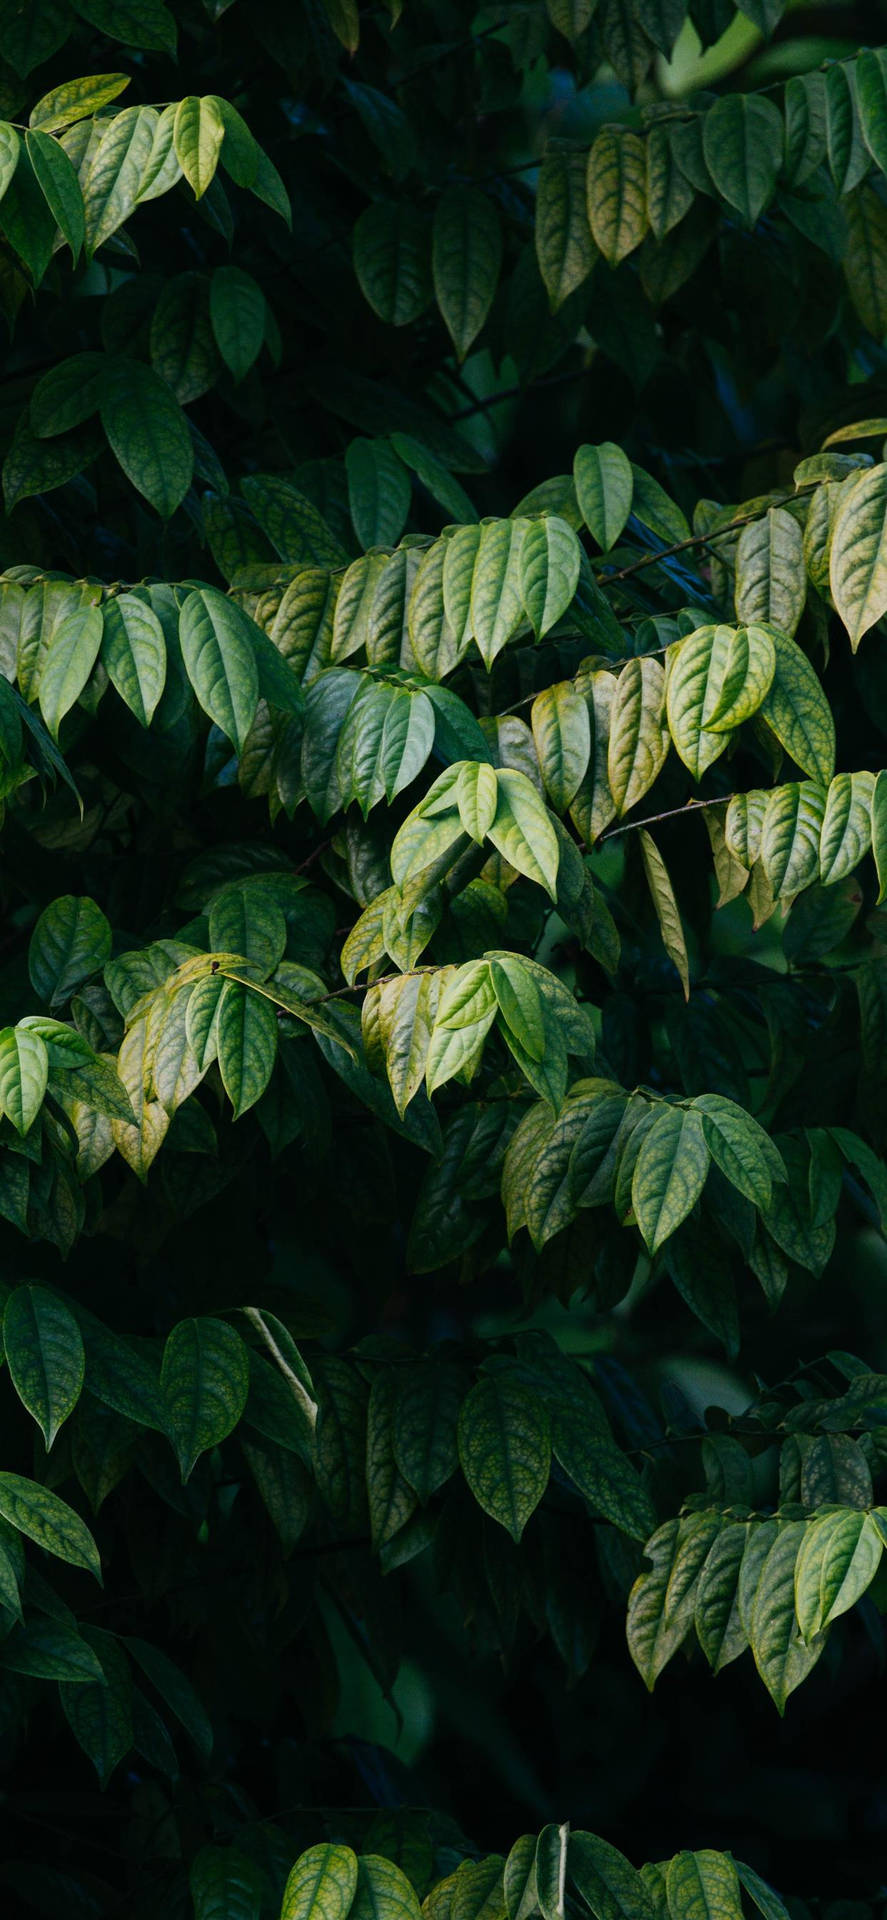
(564, 246)
(148, 433)
(204, 1381)
(617, 193)
(669, 1174)
(505, 1449)
(604, 485)
(466, 255)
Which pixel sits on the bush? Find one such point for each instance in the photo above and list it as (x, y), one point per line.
(442, 1115)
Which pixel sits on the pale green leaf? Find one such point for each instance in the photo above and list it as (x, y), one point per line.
(666, 907)
(67, 664)
(321, 1885)
(133, 653)
(24, 1069)
(638, 742)
(604, 485)
(564, 246)
(197, 136)
(617, 193)
(797, 711)
(220, 660)
(246, 1042)
(670, 1173)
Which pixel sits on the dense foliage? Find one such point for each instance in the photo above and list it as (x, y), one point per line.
(443, 1133)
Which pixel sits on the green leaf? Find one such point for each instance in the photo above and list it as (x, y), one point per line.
(220, 660)
(9, 153)
(781, 1657)
(52, 1650)
(321, 1885)
(496, 604)
(68, 394)
(138, 23)
(378, 492)
(72, 939)
(564, 246)
(742, 141)
(716, 675)
(790, 836)
(390, 1497)
(617, 193)
(133, 654)
(24, 1068)
(666, 907)
(703, 1886)
(602, 1474)
(805, 135)
(100, 1716)
(865, 258)
(846, 833)
(383, 1891)
(662, 1600)
(551, 1870)
(879, 832)
(425, 1426)
(604, 484)
(839, 1556)
(391, 261)
(562, 735)
(466, 255)
(434, 476)
(771, 580)
(668, 194)
(246, 921)
(25, 218)
(550, 559)
(60, 187)
(44, 1353)
(670, 1173)
(719, 1629)
(112, 183)
(204, 1381)
(871, 95)
(520, 1003)
(858, 565)
(67, 664)
(522, 831)
(247, 1045)
(76, 100)
(47, 1520)
(847, 158)
(609, 1885)
(477, 797)
(176, 1692)
(465, 1012)
(638, 739)
(505, 1449)
(148, 433)
(739, 1145)
(197, 136)
(225, 1885)
(798, 712)
(237, 311)
(767, 1902)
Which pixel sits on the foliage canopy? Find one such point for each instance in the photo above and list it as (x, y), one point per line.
(443, 1137)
